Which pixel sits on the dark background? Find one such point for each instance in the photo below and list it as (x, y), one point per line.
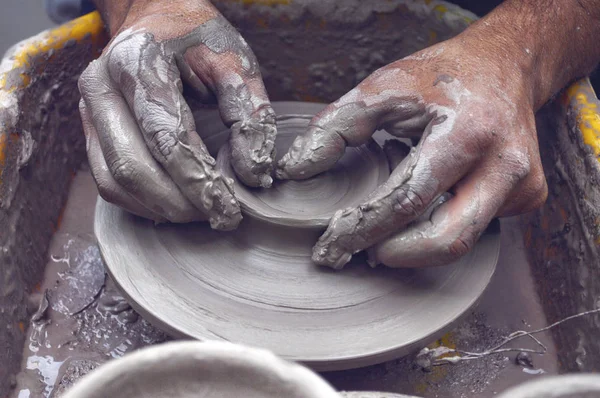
(482, 7)
(20, 19)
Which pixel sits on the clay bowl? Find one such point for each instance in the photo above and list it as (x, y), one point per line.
(311, 202)
(194, 369)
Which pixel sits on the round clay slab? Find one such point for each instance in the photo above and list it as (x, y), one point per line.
(311, 202)
(257, 286)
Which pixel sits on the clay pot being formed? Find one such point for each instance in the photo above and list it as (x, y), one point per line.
(309, 203)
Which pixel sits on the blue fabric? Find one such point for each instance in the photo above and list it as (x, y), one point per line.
(61, 11)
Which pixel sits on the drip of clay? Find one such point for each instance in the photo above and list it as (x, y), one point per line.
(312, 202)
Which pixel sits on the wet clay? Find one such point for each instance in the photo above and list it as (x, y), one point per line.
(310, 202)
(258, 286)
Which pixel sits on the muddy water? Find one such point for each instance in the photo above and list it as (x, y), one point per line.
(79, 321)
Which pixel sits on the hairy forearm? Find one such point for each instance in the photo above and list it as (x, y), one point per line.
(552, 42)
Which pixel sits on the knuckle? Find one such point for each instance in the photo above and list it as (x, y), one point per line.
(490, 120)
(517, 163)
(162, 142)
(537, 189)
(125, 171)
(460, 246)
(409, 202)
(87, 81)
(120, 56)
(124, 57)
(106, 190)
(540, 187)
(378, 79)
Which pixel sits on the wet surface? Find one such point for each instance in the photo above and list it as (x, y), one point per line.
(79, 321)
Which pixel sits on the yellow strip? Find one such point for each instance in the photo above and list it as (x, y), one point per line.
(77, 30)
(581, 95)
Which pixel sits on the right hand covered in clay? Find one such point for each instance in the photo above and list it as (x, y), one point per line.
(471, 101)
(142, 144)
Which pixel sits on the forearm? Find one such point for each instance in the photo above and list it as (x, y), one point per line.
(552, 42)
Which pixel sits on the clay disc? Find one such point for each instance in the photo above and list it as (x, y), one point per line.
(312, 202)
(258, 286)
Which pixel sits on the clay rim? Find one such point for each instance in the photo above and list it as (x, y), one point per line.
(372, 148)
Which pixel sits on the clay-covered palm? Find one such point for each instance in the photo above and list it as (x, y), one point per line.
(142, 144)
(474, 115)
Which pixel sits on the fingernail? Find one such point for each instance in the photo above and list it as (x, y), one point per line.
(265, 180)
(341, 261)
(321, 257)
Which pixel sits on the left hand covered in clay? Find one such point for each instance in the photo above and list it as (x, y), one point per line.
(471, 101)
(143, 148)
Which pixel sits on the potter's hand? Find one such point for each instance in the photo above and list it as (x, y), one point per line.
(471, 100)
(142, 143)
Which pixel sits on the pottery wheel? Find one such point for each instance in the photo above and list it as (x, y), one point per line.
(257, 286)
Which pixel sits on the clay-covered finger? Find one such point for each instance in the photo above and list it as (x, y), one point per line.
(252, 139)
(454, 227)
(350, 121)
(126, 154)
(232, 71)
(148, 77)
(426, 173)
(108, 188)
